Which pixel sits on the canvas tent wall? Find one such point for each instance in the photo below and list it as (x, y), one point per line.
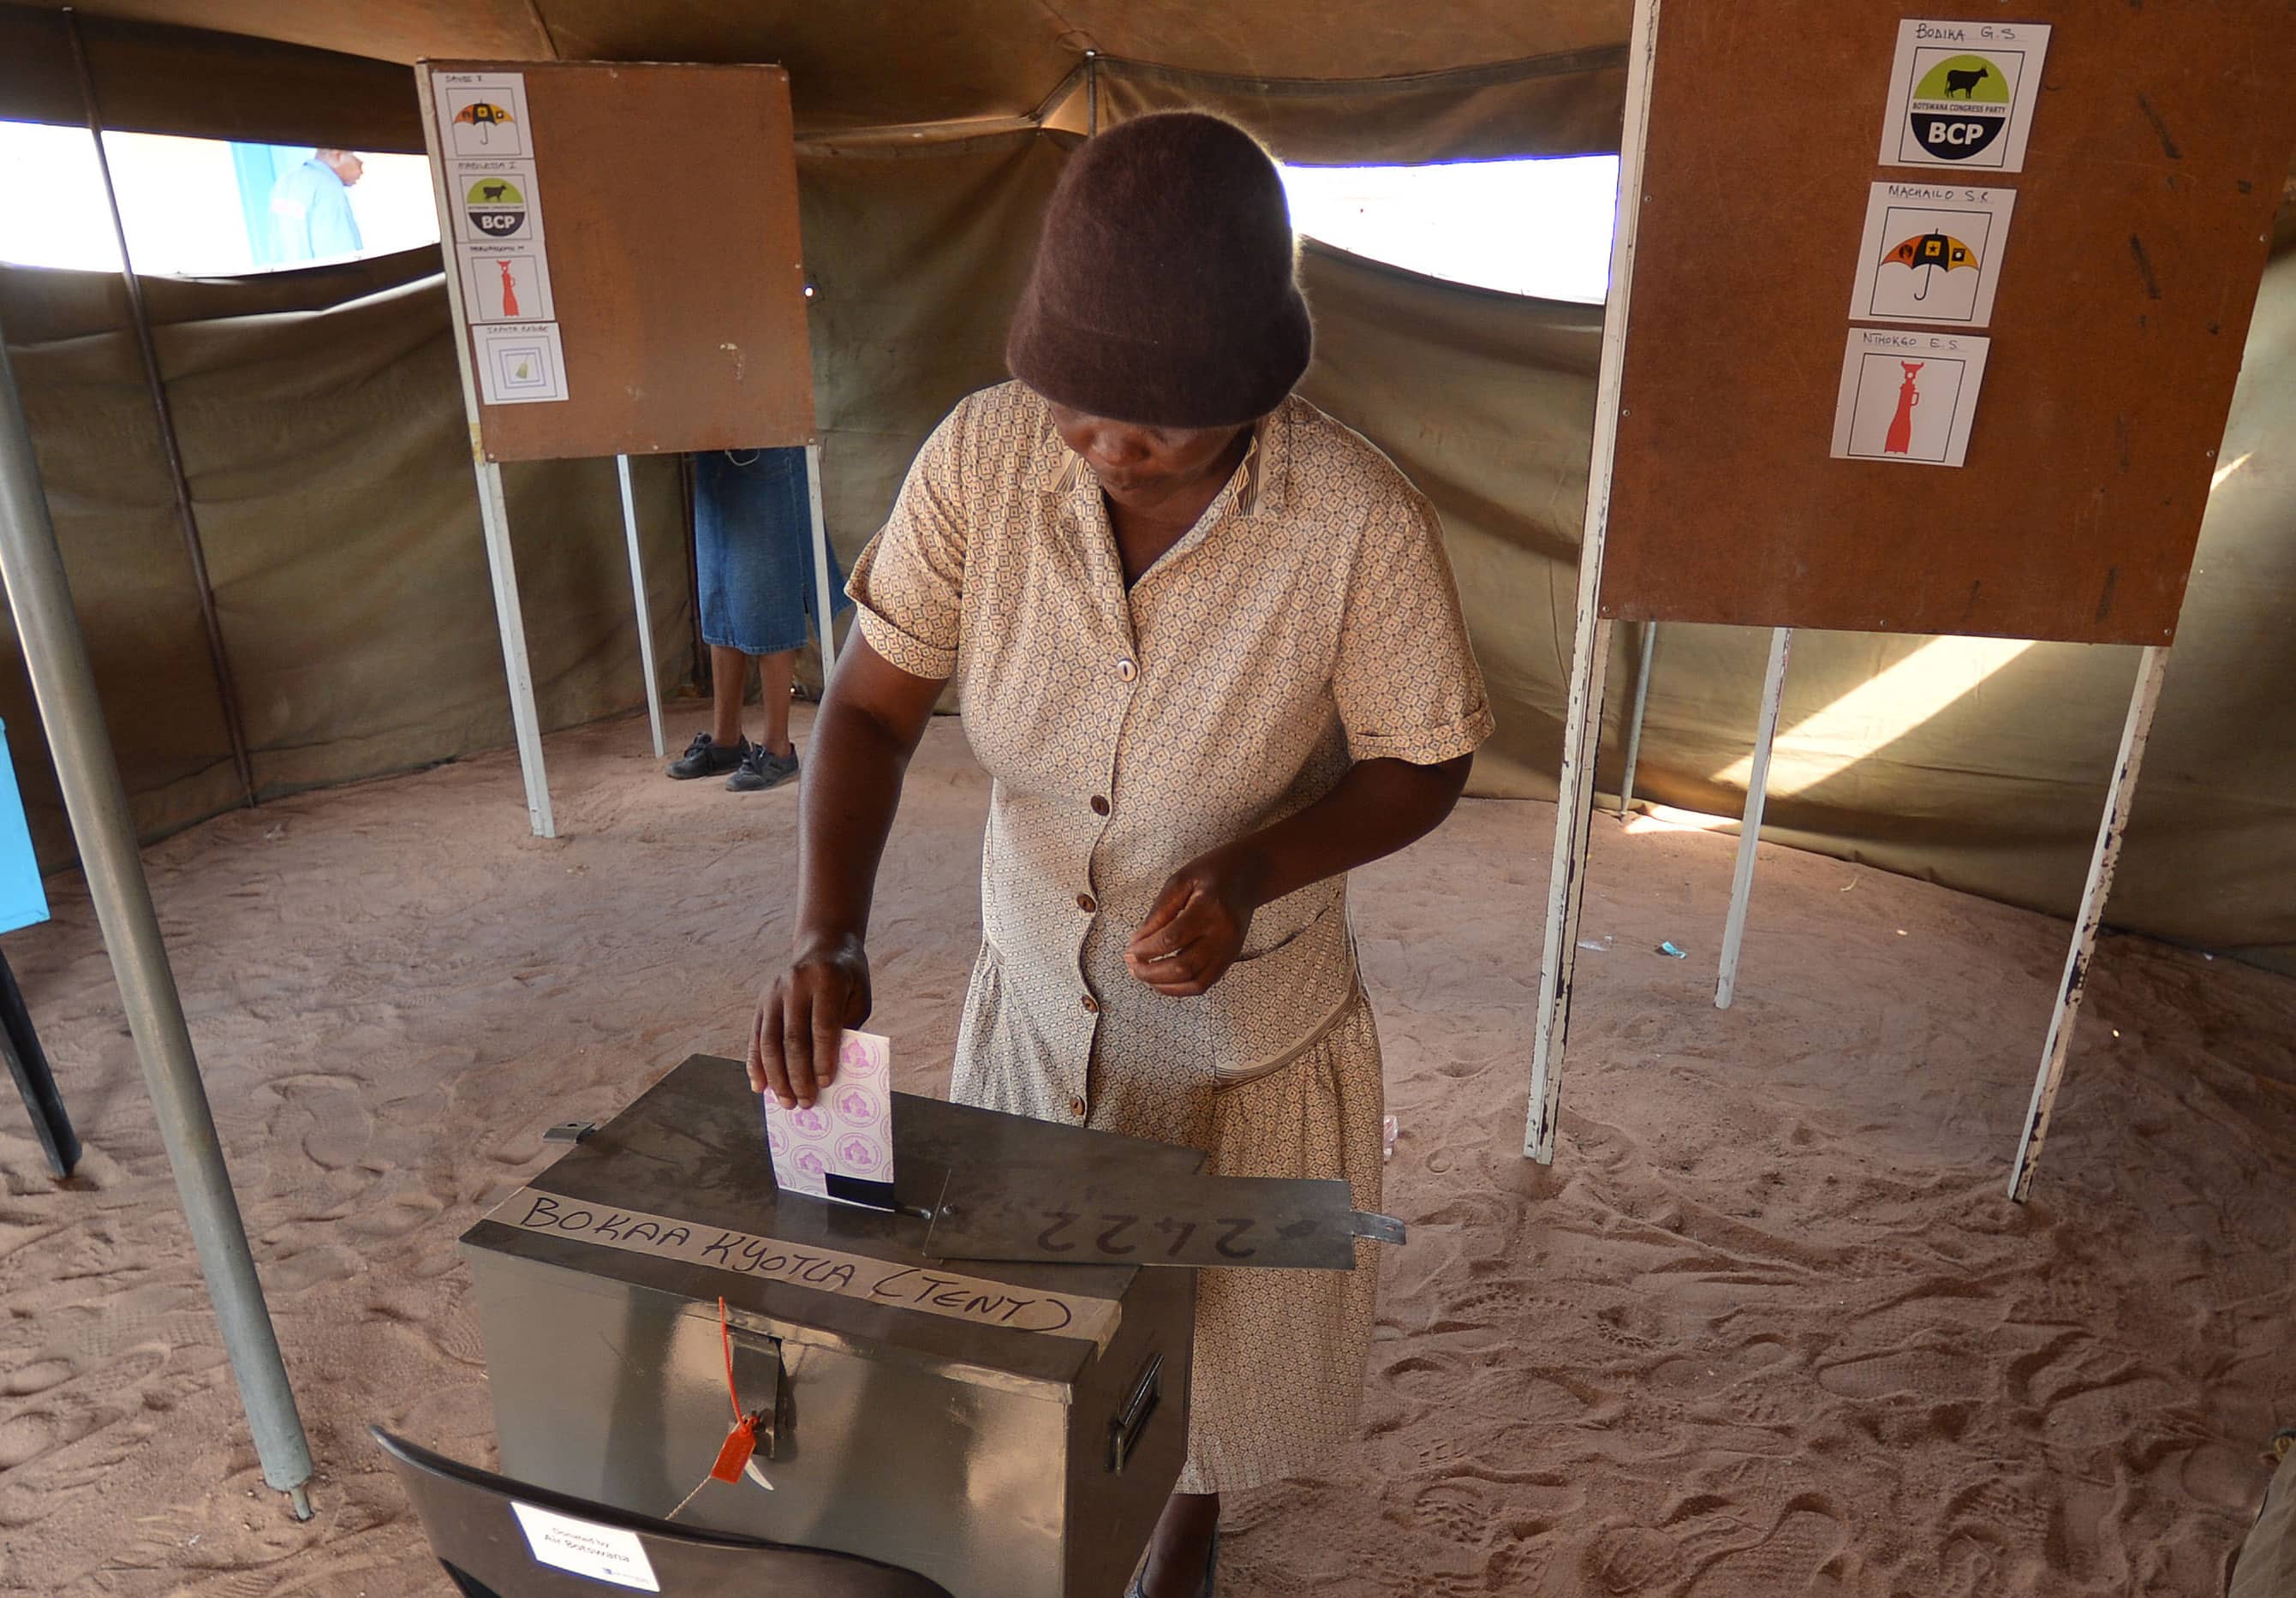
(362, 611)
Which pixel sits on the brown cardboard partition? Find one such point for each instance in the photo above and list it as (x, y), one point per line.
(2158, 142)
(671, 231)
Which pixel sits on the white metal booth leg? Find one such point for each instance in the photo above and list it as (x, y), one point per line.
(638, 589)
(1590, 646)
(494, 522)
(2151, 668)
(824, 602)
(1634, 720)
(1566, 890)
(1749, 830)
(494, 516)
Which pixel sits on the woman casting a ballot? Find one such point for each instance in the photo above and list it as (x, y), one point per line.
(1209, 646)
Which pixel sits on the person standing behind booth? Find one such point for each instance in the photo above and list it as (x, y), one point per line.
(1211, 649)
(753, 552)
(311, 217)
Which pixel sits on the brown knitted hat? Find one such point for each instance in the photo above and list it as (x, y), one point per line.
(1163, 292)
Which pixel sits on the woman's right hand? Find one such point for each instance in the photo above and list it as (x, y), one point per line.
(801, 1017)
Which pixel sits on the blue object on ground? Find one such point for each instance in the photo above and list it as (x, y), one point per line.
(22, 900)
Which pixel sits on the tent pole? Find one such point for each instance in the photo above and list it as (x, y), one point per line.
(824, 614)
(1634, 723)
(186, 521)
(638, 588)
(1749, 830)
(63, 683)
(1590, 637)
(1092, 94)
(2151, 668)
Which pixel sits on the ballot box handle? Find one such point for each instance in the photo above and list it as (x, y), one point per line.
(1124, 1431)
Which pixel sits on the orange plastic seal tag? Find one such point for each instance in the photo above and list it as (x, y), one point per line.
(740, 1443)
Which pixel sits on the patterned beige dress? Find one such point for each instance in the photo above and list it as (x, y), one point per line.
(1307, 621)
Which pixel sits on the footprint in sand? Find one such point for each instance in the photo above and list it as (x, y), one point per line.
(1456, 1512)
(402, 1214)
(1491, 1307)
(1929, 1374)
(24, 1438)
(1803, 1554)
(2002, 1517)
(291, 1274)
(2221, 1477)
(1629, 1561)
(325, 1114)
(1424, 1376)
(459, 1335)
(127, 1371)
(38, 1376)
(1610, 1325)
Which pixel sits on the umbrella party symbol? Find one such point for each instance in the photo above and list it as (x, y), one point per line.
(1934, 251)
(484, 116)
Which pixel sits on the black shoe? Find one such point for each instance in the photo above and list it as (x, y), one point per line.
(705, 757)
(759, 771)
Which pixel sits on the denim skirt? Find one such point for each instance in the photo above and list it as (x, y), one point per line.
(753, 550)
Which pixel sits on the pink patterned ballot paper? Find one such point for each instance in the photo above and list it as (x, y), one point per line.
(841, 1146)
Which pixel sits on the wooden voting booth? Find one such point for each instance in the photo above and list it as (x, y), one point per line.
(1917, 325)
(623, 263)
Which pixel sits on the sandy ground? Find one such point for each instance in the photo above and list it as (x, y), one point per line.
(1767, 1327)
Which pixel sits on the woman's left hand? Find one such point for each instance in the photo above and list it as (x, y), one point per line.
(1197, 927)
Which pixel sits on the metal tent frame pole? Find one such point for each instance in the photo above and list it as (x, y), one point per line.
(187, 522)
(63, 683)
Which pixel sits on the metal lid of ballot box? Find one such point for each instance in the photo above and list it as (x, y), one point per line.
(693, 1147)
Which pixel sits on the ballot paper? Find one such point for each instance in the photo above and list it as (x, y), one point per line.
(841, 1146)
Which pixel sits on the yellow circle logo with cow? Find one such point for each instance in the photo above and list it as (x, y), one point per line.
(497, 208)
(1960, 106)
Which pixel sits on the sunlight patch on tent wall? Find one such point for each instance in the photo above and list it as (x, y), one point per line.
(1894, 702)
(1540, 228)
(1879, 712)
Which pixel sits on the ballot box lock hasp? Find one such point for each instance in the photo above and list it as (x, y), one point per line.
(1008, 1429)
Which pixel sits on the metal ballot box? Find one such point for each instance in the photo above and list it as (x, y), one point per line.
(1008, 1431)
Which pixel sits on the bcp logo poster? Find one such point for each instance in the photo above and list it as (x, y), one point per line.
(1962, 95)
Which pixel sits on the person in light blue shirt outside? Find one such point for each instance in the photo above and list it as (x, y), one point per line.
(311, 216)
